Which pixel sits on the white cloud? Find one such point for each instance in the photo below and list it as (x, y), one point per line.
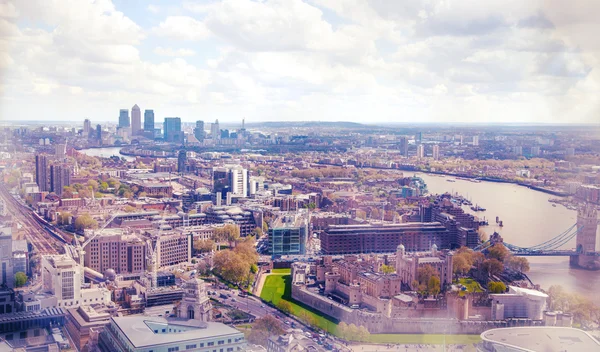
(173, 52)
(182, 28)
(153, 8)
(362, 60)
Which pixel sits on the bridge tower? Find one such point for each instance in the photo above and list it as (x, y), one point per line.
(587, 223)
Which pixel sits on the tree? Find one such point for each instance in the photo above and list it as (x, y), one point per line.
(257, 232)
(352, 332)
(342, 330)
(284, 306)
(517, 263)
(493, 266)
(93, 184)
(263, 328)
(496, 287)
(425, 272)
(229, 233)
(64, 218)
(363, 334)
(103, 186)
(433, 286)
(204, 246)
(231, 266)
(499, 252)
(67, 192)
(20, 279)
(387, 269)
(85, 221)
(128, 209)
(247, 251)
(460, 265)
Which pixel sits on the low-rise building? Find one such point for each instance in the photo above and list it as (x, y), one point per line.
(144, 334)
(382, 238)
(519, 303)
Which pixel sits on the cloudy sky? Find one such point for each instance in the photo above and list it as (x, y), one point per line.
(354, 60)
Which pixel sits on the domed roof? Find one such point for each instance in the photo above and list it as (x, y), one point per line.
(434, 247)
(401, 246)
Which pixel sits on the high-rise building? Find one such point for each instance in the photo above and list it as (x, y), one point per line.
(136, 120)
(181, 161)
(419, 137)
(60, 176)
(436, 152)
(87, 127)
(41, 172)
(6, 257)
(518, 150)
(124, 118)
(420, 151)
(535, 151)
(172, 130)
(149, 121)
(404, 146)
(475, 141)
(570, 151)
(230, 178)
(99, 134)
(60, 150)
(199, 131)
(215, 130)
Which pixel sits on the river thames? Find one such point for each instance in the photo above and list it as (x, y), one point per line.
(528, 219)
(106, 152)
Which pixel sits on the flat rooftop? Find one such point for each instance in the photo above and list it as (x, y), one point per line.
(140, 330)
(547, 339)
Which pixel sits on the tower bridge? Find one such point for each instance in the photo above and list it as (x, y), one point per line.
(584, 231)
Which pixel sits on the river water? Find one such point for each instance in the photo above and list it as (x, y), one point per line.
(106, 152)
(528, 219)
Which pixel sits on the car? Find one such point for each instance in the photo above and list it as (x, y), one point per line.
(232, 299)
(262, 305)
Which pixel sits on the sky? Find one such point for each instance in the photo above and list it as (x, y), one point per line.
(366, 61)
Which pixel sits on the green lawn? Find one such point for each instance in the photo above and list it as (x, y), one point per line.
(433, 339)
(278, 287)
(470, 284)
(281, 271)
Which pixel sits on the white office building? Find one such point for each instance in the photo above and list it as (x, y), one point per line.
(63, 277)
(158, 334)
(519, 303)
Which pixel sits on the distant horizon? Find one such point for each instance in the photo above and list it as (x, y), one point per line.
(380, 124)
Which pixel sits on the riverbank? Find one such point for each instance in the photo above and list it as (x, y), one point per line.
(471, 177)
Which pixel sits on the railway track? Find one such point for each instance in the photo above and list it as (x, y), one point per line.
(42, 240)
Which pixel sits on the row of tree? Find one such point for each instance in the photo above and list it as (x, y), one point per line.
(353, 332)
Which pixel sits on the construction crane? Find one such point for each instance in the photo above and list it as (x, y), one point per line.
(80, 247)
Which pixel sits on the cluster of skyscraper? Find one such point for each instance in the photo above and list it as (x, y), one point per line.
(53, 178)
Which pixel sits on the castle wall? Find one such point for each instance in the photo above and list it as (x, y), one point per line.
(378, 323)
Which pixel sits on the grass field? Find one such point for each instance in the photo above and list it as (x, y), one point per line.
(471, 285)
(281, 271)
(432, 339)
(278, 287)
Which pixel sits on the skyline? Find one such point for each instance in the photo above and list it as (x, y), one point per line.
(373, 63)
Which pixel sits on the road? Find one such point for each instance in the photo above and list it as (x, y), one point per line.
(35, 234)
(257, 308)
